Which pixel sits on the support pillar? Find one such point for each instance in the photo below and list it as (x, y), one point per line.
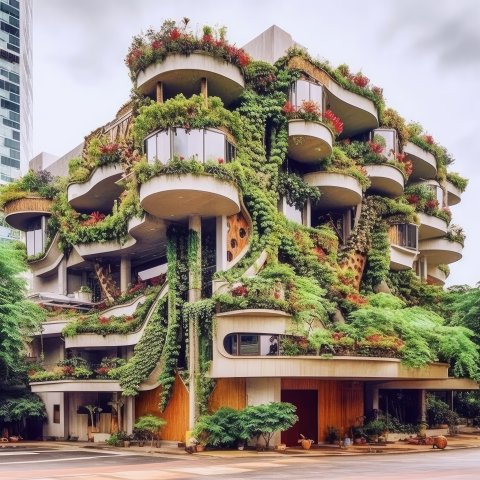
(449, 397)
(422, 394)
(194, 295)
(44, 231)
(159, 92)
(204, 89)
(62, 277)
(371, 398)
(125, 272)
(221, 242)
(422, 267)
(129, 414)
(307, 214)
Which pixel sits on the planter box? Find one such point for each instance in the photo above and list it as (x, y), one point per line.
(83, 296)
(100, 437)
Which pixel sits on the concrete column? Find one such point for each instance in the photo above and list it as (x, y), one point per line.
(129, 414)
(44, 232)
(221, 242)
(307, 214)
(204, 89)
(371, 398)
(422, 395)
(66, 416)
(422, 267)
(125, 272)
(449, 395)
(62, 277)
(159, 92)
(194, 295)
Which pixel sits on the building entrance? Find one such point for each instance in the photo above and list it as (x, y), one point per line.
(306, 402)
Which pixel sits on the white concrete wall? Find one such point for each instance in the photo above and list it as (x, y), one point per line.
(78, 423)
(45, 285)
(264, 390)
(51, 429)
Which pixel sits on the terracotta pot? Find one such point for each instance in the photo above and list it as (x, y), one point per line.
(306, 444)
(14, 439)
(241, 447)
(200, 448)
(357, 441)
(141, 444)
(440, 442)
(126, 444)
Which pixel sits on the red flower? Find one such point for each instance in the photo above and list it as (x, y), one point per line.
(207, 39)
(429, 139)
(374, 338)
(57, 309)
(158, 279)
(289, 109)
(109, 148)
(156, 45)
(311, 107)
(240, 291)
(68, 370)
(276, 295)
(31, 373)
(103, 370)
(101, 306)
(433, 204)
(129, 319)
(336, 122)
(243, 59)
(322, 256)
(412, 199)
(402, 158)
(357, 299)
(338, 335)
(137, 53)
(97, 217)
(104, 320)
(376, 147)
(360, 80)
(220, 160)
(175, 34)
(346, 141)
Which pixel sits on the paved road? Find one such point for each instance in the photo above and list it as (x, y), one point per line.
(89, 464)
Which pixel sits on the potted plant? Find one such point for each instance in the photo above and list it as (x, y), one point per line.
(150, 425)
(332, 435)
(84, 294)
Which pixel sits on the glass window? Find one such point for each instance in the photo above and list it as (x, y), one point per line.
(31, 243)
(189, 144)
(214, 146)
(14, 116)
(303, 92)
(38, 241)
(56, 414)
(249, 345)
(151, 149)
(163, 146)
(316, 94)
(268, 344)
(231, 344)
(12, 144)
(231, 152)
(293, 214)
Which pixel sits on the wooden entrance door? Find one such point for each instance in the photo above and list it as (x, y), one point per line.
(306, 402)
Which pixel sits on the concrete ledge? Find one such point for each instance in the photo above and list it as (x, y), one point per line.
(440, 251)
(436, 275)
(431, 227)
(386, 180)
(401, 258)
(76, 386)
(454, 194)
(308, 141)
(49, 263)
(424, 163)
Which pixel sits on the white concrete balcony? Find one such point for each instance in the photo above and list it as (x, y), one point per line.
(182, 74)
(454, 194)
(308, 141)
(175, 197)
(19, 212)
(386, 180)
(337, 189)
(424, 163)
(401, 258)
(358, 113)
(99, 192)
(436, 276)
(92, 340)
(76, 386)
(440, 251)
(47, 265)
(431, 227)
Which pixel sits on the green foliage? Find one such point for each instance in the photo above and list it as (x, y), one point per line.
(296, 190)
(319, 338)
(455, 179)
(150, 425)
(468, 404)
(221, 429)
(445, 269)
(439, 412)
(266, 419)
(332, 434)
(20, 406)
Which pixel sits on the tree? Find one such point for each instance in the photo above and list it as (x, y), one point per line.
(150, 425)
(468, 404)
(266, 419)
(19, 320)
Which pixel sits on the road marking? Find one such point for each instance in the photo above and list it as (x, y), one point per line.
(7, 454)
(65, 459)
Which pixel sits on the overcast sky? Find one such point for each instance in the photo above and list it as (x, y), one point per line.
(425, 54)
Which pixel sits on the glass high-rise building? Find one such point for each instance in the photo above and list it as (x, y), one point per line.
(16, 98)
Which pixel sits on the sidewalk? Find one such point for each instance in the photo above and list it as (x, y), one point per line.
(167, 448)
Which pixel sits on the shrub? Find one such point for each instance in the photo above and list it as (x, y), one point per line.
(150, 425)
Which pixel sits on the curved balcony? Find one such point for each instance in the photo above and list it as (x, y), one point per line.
(440, 250)
(49, 263)
(386, 180)
(76, 386)
(338, 190)
(424, 163)
(182, 74)
(454, 194)
(92, 340)
(401, 258)
(19, 212)
(357, 113)
(175, 197)
(431, 227)
(98, 193)
(308, 141)
(436, 276)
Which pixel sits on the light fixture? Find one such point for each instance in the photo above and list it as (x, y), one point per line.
(152, 229)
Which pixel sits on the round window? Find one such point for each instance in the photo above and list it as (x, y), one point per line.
(242, 233)
(233, 243)
(229, 256)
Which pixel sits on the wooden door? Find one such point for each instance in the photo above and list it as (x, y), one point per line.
(306, 402)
